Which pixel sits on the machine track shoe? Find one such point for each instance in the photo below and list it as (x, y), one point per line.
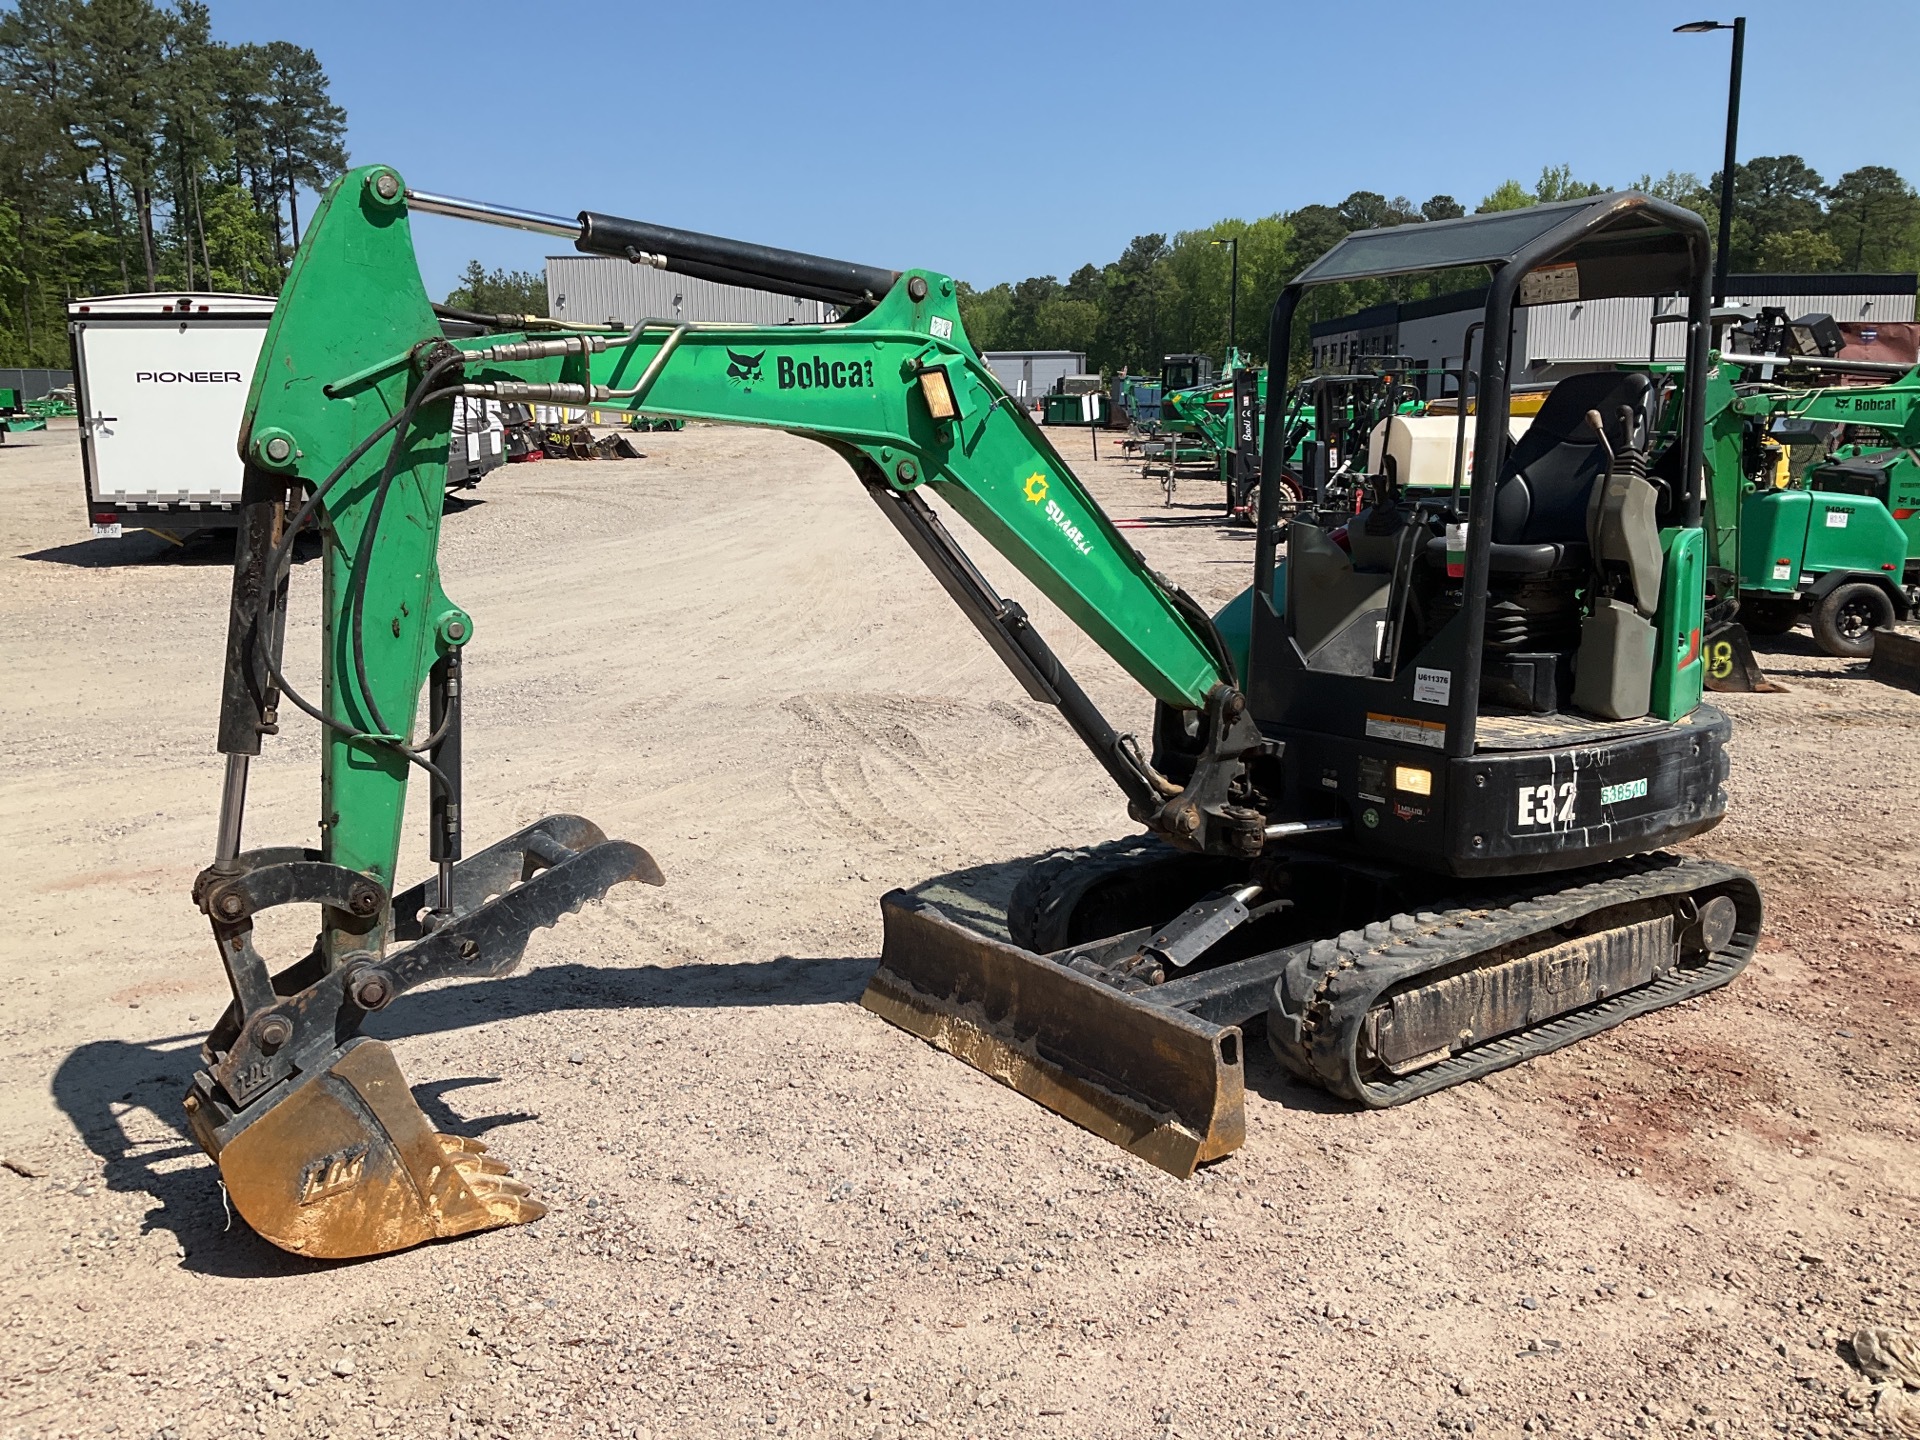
(1415, 1003)
(1159, 1082)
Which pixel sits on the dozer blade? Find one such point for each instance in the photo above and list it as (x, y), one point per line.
(345, 1165)
(1731, 666)
(1159, 1082)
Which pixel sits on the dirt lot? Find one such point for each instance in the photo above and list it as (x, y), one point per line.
(773, 1214)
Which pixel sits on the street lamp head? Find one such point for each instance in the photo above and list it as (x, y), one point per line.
(1700, 27)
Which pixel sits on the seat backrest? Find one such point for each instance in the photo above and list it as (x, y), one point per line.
(1545, 486)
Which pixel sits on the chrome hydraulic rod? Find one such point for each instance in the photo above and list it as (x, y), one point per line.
(487, 214)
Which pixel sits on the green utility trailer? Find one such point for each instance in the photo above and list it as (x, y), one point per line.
(14, 416)
(1090, 408)
(1839, 547)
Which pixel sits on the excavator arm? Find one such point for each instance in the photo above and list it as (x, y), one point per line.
(346, 432)
(1893, 407)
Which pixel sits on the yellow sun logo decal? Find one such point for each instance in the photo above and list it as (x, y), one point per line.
(1036, 487)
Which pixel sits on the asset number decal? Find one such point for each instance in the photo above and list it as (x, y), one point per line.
(1546, 804)
(1625, 790)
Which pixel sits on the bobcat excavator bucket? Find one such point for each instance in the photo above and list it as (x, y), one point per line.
(1159, 1081)
(1731, 666)
(321, 1146)
(345, 1165)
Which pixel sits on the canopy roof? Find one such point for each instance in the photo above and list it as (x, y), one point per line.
(1623, 243)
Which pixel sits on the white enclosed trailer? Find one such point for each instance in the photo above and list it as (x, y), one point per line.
(161, 383)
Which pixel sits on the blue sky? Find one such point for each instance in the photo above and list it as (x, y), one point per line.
(995, 141)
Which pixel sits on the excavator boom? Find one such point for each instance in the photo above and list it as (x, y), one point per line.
(346, 431)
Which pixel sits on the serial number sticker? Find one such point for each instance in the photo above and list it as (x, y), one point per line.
(107, 532)
(940, 327)
(1430, 733)
(1837, 518)
(1625, 790)
(1545, 804)
(1432, 687)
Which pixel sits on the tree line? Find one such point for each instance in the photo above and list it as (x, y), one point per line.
(137, 153)
(1168, 295)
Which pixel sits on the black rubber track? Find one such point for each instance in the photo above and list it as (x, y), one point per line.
(1322, 999)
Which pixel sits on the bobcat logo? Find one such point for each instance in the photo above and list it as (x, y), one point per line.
(744, 369)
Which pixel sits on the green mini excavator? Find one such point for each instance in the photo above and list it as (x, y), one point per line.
(1404, 805)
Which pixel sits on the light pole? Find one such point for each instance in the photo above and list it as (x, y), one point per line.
(1233, 299)
(1721, 257)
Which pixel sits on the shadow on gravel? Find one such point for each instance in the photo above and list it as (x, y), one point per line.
(1266, 1078)
(123, 1097)
(116, 1093)
(1796, 656)
(201, 548)
(139, 548)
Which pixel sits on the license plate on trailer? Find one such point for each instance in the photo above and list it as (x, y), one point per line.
(107, 532)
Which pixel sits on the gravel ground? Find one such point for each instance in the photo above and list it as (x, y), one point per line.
(774, 1215)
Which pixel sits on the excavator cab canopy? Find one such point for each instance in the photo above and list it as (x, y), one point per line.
(1623, 243)
(1604, 246)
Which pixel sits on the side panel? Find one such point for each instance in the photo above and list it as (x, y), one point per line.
(1773, 540)
(1904, 496)
(1851, 532)
(1679, 674)
(164, 400)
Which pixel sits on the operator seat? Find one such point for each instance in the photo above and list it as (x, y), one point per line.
(1541, 551)
(1540, 501)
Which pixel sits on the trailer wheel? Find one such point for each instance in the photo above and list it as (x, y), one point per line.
(1844, 622)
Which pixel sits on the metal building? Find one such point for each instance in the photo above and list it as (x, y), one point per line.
(1029, 374)
(595, 289)
(1550, 341)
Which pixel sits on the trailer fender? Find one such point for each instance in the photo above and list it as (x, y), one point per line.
(1834, 579)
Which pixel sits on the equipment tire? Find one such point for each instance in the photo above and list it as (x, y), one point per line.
(1844, 621)
(1770, 617)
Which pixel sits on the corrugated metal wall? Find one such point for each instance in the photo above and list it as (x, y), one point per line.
(1612, 329)
(1548, 338)
(1841, 307)
(594, 289)
(1029, 374)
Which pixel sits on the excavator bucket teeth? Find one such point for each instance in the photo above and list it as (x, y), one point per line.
(345, 1165)
(1157, 1081)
